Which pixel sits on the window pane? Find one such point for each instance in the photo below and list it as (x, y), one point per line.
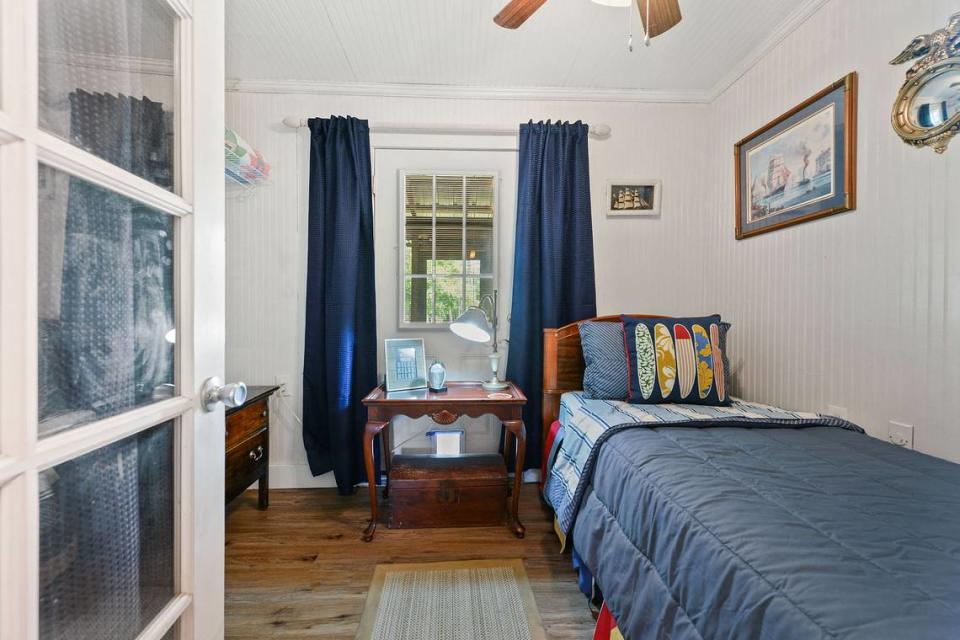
(107, 81)
(479, 246)
(480, 196)
(480, 213)
(449, 196)
(449, 299)
(106, 317)
(106, 539)
(418, 300)
(418, 224)
(476, 289)
(449, 225)
(449, 246)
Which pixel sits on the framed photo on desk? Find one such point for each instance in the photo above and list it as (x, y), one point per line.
(406, 364)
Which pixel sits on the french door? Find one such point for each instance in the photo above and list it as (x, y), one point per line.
(111, 318)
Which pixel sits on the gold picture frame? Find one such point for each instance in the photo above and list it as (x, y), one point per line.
(801, 165)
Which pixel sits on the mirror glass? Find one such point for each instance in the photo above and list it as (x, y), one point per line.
(936, 101)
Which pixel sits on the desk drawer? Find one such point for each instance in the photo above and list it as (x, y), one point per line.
(247, 421)
(246, 463)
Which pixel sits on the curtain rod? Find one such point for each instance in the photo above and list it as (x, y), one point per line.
(598, 131)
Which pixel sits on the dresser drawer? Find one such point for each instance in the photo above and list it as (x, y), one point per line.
(246, 463)
(243, 423)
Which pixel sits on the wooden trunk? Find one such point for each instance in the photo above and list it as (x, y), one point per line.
(467, 491)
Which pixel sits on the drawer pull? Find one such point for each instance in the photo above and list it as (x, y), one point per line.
(257, 454)
(263, 414)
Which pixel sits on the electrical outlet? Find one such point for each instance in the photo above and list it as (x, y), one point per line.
(284, 382)
(900, 434)
(839, 412)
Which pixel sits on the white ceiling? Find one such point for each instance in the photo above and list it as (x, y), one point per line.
(568, 45)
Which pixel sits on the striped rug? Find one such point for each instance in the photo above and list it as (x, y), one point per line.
(476, 600)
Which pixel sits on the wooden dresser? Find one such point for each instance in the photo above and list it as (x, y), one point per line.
(248, 444)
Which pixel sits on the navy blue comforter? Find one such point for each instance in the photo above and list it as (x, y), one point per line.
(743, 533)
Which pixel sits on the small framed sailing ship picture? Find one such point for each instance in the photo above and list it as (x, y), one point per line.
(801, 165)
(630, 197)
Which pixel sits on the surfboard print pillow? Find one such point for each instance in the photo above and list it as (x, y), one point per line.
(675, 360)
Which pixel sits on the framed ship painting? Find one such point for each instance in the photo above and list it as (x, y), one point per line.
(800, 166)
(630, 197)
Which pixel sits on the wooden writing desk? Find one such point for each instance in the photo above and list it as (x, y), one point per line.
(462, 399)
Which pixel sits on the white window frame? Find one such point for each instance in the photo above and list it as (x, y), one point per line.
(401, 246)
(23, 455)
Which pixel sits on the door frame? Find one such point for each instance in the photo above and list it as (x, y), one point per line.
(199, 308)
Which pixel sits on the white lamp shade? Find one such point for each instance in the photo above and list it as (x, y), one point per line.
(472, 325)
(614, 3)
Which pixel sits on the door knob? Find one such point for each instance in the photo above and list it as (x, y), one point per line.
(214, 391)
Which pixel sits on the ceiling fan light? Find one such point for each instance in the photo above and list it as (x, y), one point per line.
(613, 3)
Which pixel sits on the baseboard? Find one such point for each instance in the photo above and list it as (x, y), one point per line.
(298, 476)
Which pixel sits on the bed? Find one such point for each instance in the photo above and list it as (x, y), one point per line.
(754, 523)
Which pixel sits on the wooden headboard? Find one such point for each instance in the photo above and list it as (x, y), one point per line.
(563, 365)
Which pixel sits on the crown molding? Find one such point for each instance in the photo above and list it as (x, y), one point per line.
(804, 10)
(801, 14)
(391, 90)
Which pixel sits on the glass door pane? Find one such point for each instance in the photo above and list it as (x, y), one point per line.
(108, 81)
(105, 302)
(107, 539)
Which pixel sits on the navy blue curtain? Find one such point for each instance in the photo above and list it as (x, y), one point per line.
(553, 281)
(340, 342)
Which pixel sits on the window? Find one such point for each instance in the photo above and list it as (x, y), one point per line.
(449, 253)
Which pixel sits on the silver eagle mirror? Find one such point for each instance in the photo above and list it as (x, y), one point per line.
(927, 109)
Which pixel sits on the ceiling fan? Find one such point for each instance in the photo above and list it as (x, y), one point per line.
(657, 15)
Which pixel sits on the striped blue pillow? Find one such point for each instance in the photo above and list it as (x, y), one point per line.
(605, 376)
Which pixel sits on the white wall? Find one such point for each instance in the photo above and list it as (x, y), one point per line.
(637, 266)
(859, 310)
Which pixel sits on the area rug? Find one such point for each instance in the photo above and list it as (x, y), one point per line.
(476, 600)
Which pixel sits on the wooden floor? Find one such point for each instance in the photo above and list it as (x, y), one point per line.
(299, 569)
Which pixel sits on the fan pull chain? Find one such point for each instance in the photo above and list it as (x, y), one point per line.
(629, 30)
(646, 30)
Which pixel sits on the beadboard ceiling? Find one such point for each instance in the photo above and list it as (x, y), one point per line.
(569, 48)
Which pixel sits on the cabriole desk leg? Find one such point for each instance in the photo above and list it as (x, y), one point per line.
(370, 433)
(519, 432)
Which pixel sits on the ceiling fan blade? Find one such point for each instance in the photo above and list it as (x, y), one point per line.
(516, 13)
(664, 15)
